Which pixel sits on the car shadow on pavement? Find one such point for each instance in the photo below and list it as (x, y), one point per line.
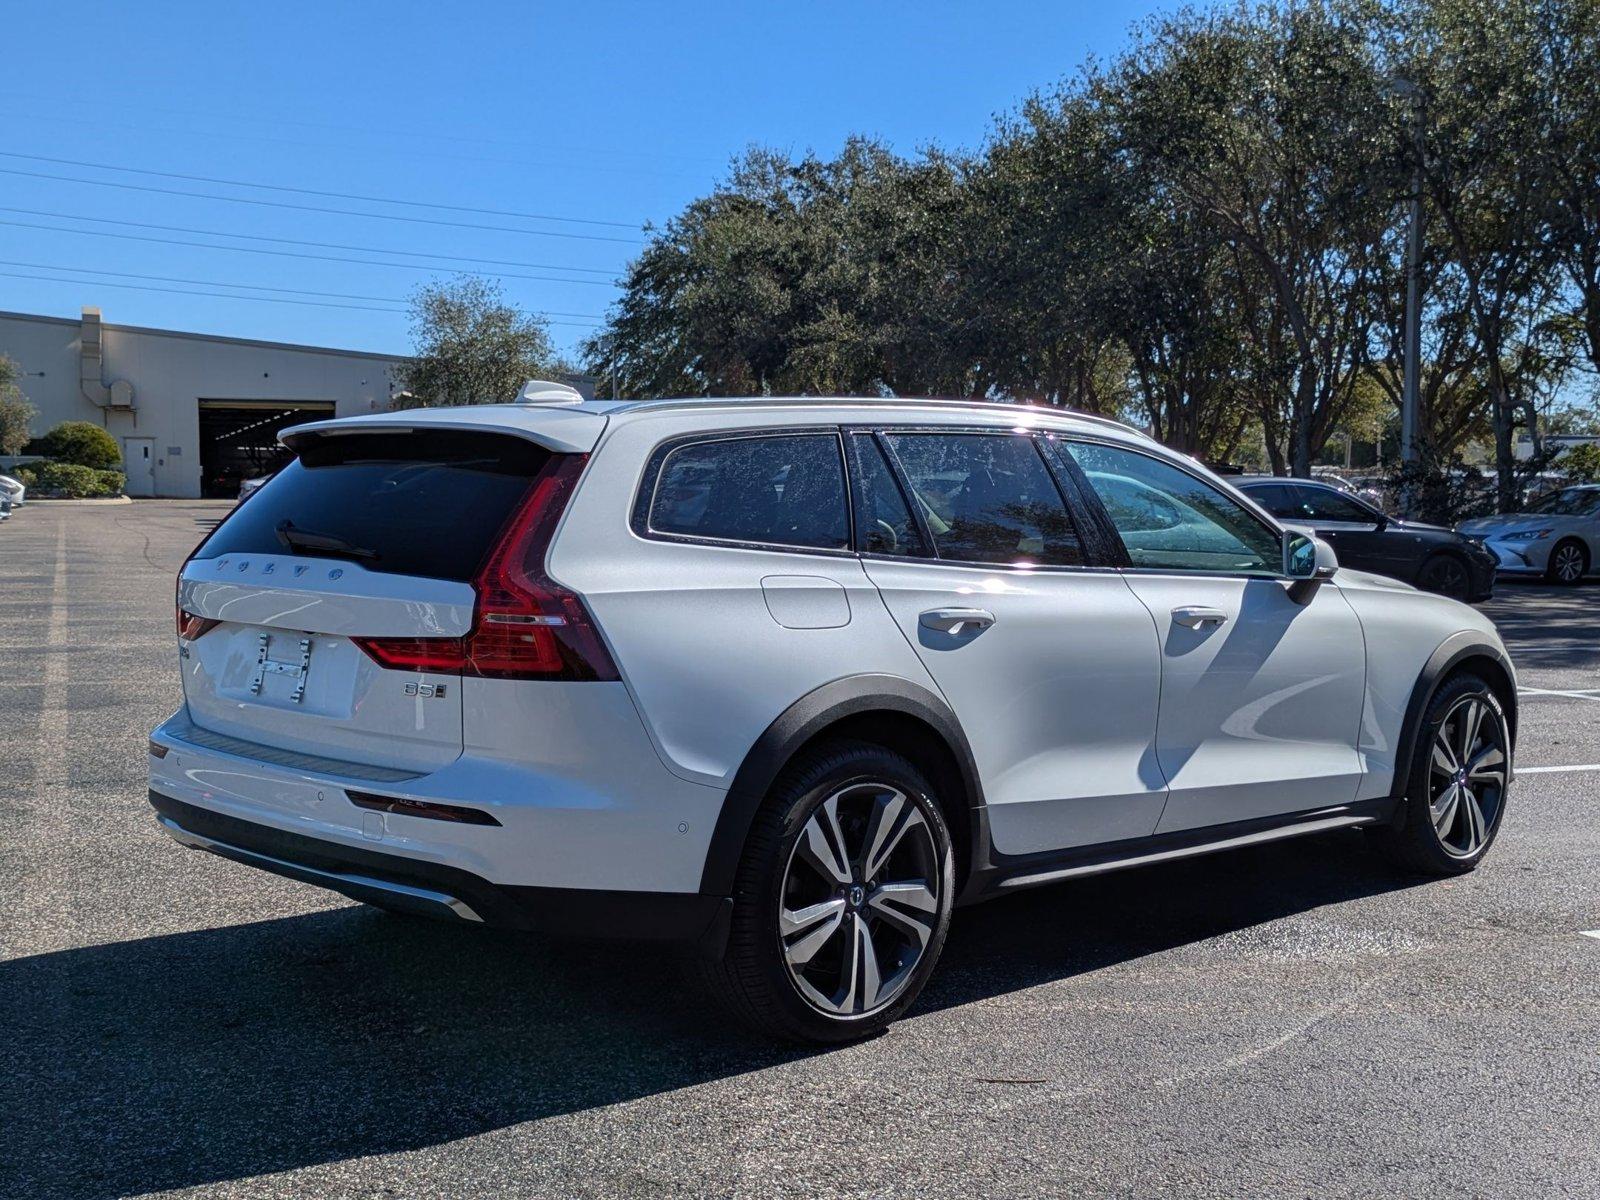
(228, 1053)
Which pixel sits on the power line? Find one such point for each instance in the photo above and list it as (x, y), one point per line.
(257, 287)
(282, 241)
(365, 262)
(343, 212)
(276, 187)
(134, 287)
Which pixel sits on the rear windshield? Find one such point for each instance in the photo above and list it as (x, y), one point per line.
(403, 503)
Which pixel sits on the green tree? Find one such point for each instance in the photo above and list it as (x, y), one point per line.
(15, 411)
(1266, 124)
(81, 443)
(1582, 463)
(1487, 170)
(812, 276)
(472, 347)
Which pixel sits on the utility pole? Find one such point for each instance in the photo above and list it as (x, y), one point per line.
(1411, 388)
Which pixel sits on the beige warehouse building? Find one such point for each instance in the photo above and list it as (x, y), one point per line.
(194, 413)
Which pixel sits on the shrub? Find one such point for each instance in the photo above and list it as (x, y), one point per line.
(1582, 463)
(76, 482)
(82, 443)
(23, 475)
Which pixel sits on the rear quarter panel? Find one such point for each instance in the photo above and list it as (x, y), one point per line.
(696, 638)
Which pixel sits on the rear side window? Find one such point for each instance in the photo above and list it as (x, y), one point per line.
(403, 503)
(987, 498)
(779, 490)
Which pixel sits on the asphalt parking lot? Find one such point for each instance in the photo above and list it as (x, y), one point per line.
(1282, 1021)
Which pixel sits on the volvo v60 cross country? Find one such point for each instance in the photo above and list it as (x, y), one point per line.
(791, 679)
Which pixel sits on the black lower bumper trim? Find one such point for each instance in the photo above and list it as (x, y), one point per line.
(576, 912)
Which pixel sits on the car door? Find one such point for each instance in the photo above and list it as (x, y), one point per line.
(1050, 665)
(1359, 535)
(1261, 678)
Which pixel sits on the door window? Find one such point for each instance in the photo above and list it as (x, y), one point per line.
(987, 498)
(783, 490)
(1172, 520)
(883, 519)
(1279, 499)
(1326, 504)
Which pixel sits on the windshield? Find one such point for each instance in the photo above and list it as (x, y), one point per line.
(1568, 502)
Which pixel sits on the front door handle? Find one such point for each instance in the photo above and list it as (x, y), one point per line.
(1197, 616)
(955, 620)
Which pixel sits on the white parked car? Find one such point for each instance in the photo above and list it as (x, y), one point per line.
(13, 490)
(1557, 536)
(789, 680)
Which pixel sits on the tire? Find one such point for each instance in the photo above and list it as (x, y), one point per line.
(1431, 834)
(1446, 574)
(791, 978)
(1569, 563)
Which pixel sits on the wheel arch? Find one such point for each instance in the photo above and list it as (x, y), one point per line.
(1465, 651)
(882, 709)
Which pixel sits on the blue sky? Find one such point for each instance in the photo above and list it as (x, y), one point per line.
(596, 113)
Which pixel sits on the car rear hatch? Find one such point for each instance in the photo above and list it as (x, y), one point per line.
(334, 613)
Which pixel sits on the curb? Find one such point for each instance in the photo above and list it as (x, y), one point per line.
(87, 500)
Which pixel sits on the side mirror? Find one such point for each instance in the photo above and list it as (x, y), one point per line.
(1307, 557)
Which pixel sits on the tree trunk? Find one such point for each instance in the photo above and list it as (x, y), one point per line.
(1504, 460)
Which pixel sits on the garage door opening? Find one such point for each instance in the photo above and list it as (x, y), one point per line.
(239, 439)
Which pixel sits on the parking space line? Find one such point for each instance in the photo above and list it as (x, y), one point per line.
(51, 749)
(1557, 770)
(1575, 694)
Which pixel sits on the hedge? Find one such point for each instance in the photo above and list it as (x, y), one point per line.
(75, 482)
(81, 442)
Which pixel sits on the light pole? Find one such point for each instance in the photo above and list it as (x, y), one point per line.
(1410, 404)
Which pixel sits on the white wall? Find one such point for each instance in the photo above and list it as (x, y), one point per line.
(171, 372)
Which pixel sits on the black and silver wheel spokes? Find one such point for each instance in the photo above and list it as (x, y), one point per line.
(1467, 776)
(860, 899)
(1568, 563)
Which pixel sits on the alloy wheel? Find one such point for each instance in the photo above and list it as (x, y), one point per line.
(1567, 563)
(1467, 776)
(860, 899)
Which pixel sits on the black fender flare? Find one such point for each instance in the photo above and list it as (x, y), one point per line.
(797, 725)
(1452, 652)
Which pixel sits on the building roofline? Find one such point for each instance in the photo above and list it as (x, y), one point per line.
(210, 337)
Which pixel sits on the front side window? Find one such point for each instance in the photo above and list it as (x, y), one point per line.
(987, 498)
(1172, 520)
(1279, 499)
(1325, 504)
(782, 490)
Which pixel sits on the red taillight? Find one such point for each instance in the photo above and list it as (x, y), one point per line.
(191, 626)
(526, 626)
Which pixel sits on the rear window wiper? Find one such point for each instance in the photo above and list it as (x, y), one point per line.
(320, 543)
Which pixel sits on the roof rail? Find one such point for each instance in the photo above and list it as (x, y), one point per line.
(881, 401)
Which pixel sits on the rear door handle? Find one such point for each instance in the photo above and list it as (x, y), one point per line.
(954, 620)
(1196, 616)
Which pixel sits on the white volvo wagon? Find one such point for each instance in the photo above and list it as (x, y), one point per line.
(789, 680)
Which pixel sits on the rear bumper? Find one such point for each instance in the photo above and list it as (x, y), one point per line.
(447, 892)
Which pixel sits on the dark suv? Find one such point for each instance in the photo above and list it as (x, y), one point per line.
(1432, 557)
